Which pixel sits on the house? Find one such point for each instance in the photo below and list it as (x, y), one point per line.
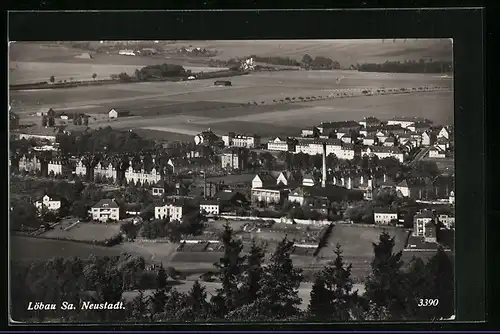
(421, 222)
(239, 140)
(81, 169)
(389, 142)
(39, 133)
(234, 158)
(49, 112)
(370, 121)
(405, 122)
(327, 127)
(370, 140)
(445, 132)
(106, 209)
(106, 169)
(30, 163)
(384, 152)
(58, 166)
(158, 188)
(443, 143)
(174, 209)
(321, 197)
(309, 180)
(263, 180)
(451, 198)
(49, 203)
(281, 144)
(211, 207)
(419, 127)
(63, 116)
(382, 136)
(437, 152)
(206, 138)
(427, 138)
(133, 209)
(447, 220)
(311, 132)
(270, 194)
(394, 129)
(345, 138)
(229, 199)
(289, 179)
(385, 216)
(410, 188)
(178, 164)
(113, 113)
(143, 171)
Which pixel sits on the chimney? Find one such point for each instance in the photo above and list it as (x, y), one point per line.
(370, 183)
(323, 180)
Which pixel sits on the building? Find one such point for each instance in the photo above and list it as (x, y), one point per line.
(113, 113)
(420, 221)
(382, 136)
(445, 132)
(269, 194)
(443, 143)
(81, 169)
(370, 140)
(49, 112)
(178, 164)
(106, 169)
(394, 129)
(106, 209)
(49, 203)
(40, 133)
(447, 220)
(437, 152)
(405, 122)
(419, 127)
(311, 132)
(206, 138)
(262, 180)
(234, 159)
(384, 152)
(289, 179)
(281, 144)
(309, 180)
(126, 52)
(211, 207)
(370, 122)
(326, 127)
(385, 216)
(158, 189)
(143, 171)
(222, 83)
(389, 142)
(174, 210)
(239, 140)
(58, 166)
(410, 188)
(427, 138)
(229, 199)
(451, 198)
(30, 163)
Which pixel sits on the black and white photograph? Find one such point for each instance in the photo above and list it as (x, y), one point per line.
(202, 181)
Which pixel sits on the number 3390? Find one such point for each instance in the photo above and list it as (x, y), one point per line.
(428, 302)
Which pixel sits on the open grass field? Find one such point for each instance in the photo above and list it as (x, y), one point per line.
(356, 241)
(189, 107)
(84, 231)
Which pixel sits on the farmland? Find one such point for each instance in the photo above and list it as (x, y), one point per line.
(252, 104)
(83, 231)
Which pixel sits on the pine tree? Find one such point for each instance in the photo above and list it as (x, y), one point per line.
(277, 298)
(159, 297)
(197, 307)
(331, 297)
(441, 273)
(139, 307)
(253, 274)
(230, 270)
(384, 286)
(417, 286)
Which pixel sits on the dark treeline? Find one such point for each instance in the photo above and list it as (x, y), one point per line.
(152, 72)
(408, 66)
(319, 63)
(253, 287)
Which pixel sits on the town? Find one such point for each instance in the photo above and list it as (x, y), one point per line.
(195, 217)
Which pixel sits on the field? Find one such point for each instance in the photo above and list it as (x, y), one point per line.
(83, 231)
(185, 108)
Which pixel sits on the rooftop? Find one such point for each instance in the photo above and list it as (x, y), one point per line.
(106, 203)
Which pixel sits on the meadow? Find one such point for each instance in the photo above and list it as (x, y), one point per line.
(84, 232)
(252, 104)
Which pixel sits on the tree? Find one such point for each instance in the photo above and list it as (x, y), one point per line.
(86, 120)
(331, 296)
(159, 297)
(197, 308)
(441, 273)
(44, 121)
(52, 79)
(384, 286)
(253, 273)
(278, 296)
(306, 61)
(139, 307)
(417, 284)
(229, 272)
(51, 121)
(94, 75)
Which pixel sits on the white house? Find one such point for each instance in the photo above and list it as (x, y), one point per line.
(384, 152)
(248, 141)
(404, 122)
(421, 221)
(444, 132)
(427, 139)
(370, 140)
(210, 207)
(263, 180)
(384, 216)
(112, 114)
(437, 153)
(80, 169)
(279, 144)
(106, 209)
(448, 220)
(175, 211)
(51, 204)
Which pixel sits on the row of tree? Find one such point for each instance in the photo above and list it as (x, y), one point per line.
(409, 66)
(165, 70)
(319, 63)
(253, 288)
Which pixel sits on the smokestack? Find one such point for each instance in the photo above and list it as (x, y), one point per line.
(323, 181)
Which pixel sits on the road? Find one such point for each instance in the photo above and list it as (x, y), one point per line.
(420, 155)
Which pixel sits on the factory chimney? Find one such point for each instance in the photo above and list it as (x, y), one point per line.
(323, 180)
